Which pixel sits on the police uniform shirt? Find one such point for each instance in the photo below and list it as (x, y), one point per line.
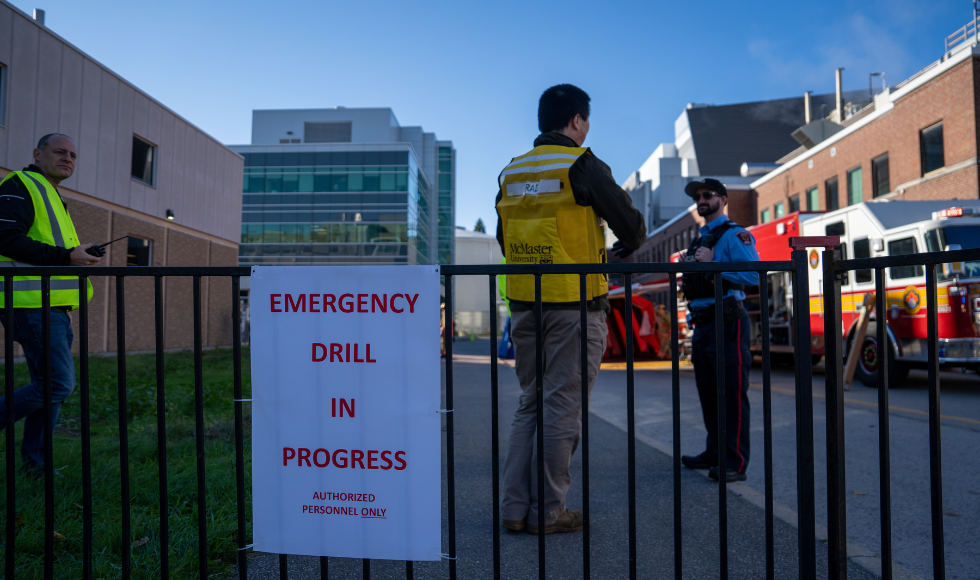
(735, 245)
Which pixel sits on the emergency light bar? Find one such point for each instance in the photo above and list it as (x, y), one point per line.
(955, 212)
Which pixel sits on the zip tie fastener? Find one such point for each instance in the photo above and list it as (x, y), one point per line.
(444, 411)
(243, 400)
(248, 547)
(446, 557)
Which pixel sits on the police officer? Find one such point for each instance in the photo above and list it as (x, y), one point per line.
(721, 240)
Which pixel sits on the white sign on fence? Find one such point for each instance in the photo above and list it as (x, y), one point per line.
(346, 438)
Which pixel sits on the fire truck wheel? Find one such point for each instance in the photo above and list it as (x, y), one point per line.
(869, 360)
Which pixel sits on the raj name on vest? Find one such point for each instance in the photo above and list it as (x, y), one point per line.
(346, 303)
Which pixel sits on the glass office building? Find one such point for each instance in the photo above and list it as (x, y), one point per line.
(332, 192)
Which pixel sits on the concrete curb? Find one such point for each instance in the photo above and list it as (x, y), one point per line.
(856, 553)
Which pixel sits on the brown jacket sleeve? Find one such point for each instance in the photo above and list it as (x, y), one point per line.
(593, 184)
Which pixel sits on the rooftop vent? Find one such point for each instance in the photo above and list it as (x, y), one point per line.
(811, 134)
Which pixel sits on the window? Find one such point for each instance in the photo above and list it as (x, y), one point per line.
(794, 203)
(901, 248)
(143, 160)
(833, 201)
(879, 176)
(780, 210)
(855, 189)
(931, 148)
(813, 199)
(139, 252)
(765, 215)
(3, 95)
(862, 249)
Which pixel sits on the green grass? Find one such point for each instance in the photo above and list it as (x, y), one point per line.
(222, 517)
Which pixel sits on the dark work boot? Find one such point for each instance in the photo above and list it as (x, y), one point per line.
(701, 461)
(731, 475)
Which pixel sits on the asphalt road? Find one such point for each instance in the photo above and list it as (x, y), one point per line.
(654, 508)
(909, 442)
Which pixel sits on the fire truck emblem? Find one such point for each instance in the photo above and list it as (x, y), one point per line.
(912, 300)
(814, 259)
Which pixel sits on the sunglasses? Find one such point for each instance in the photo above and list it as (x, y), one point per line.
(706, 196)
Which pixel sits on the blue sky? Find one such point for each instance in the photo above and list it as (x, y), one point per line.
(472, 71)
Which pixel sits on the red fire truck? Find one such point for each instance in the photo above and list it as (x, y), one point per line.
(871, 229)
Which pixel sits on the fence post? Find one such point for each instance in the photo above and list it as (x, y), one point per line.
(804, 409)
(836, 502)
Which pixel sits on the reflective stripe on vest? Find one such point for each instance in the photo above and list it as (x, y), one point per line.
(53, 226)
(32, 285)
(543, 225)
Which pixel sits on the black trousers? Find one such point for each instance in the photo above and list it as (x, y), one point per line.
(738, 361)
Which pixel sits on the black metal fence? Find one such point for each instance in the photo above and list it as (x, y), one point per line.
(797, 267)
(120, 275)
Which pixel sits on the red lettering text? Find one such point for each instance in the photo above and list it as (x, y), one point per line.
(372, 459)
(328, 300)
(322, 347)
(347, 303)
(393, 309)
(362, 300)
(314, 301)
(304, 455)
(384, 457)
(381, 304)
(398, 458)
(336, 350)
(349, 408)
(340, 460)
(357, 456)
(326, 462)
(411, 302)
(300, 303)
(275, 303)
(287, 454)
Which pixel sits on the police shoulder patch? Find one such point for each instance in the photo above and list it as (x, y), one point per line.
(745, 236)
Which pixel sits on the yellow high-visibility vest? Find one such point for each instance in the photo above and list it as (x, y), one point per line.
(51, 226)
(543, 225)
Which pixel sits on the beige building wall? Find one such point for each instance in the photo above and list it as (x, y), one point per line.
(52, 87)
(471, 300)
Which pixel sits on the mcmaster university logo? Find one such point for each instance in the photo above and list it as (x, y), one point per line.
(529, 254)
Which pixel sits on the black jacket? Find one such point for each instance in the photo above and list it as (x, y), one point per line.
(592, 184)
(16, 219)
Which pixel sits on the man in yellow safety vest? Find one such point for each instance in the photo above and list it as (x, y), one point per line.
(36, 230)
(552, 207)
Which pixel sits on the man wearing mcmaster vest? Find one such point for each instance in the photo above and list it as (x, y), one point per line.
(552, 206)
(36, 230)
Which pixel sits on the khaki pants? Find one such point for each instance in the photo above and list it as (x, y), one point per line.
(562, 409)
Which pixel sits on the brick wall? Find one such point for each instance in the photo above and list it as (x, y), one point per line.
(185, 250)
(92, 223)
(220, 300)
(139, 294)
(950, 98)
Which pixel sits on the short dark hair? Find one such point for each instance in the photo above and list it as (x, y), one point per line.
(559, 105)
(43, 141)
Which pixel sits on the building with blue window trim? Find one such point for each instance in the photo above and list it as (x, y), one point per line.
(345, 187)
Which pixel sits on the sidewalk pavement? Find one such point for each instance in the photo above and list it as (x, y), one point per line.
(609, 509)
